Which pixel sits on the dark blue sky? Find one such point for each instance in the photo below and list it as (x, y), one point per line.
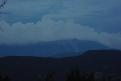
(33, 21)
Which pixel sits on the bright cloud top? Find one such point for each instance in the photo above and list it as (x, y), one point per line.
(49, 30)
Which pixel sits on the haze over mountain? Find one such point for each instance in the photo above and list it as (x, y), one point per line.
(60, 48)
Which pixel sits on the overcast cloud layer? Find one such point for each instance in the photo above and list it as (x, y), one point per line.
(32, 21)
(103, 15)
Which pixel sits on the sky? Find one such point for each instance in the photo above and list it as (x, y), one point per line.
(33, 21)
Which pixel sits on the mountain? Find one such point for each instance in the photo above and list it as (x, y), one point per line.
(27, 68)
(60, 48)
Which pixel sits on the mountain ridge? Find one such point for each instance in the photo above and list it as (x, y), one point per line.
(25, 68)
(60, 48)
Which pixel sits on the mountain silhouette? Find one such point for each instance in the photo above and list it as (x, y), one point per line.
(28, 68)
(60, 48)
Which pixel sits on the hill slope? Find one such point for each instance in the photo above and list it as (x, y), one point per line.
(29, 68)
(60, 48)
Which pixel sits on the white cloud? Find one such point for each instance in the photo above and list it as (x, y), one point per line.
(49, 30)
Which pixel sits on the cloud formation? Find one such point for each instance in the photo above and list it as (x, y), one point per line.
(103, 15)
(48, 20)
(49, 30)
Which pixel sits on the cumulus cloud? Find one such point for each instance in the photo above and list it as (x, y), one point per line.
(62, 19)
(103, 15)
(49, 30)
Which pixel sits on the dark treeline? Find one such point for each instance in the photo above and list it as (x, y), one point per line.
(77, 75)
(4, 78)
(73, 75)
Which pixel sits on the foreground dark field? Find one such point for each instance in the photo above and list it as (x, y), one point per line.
(93, 65)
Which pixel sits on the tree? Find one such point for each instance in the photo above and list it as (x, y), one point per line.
(2, 3)
(50, 77)
(1, 78)
(91, 77)
(6, 79)
(74, 75)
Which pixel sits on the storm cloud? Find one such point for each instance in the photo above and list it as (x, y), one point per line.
(103, 15)
(50, 30)
(32, 21)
